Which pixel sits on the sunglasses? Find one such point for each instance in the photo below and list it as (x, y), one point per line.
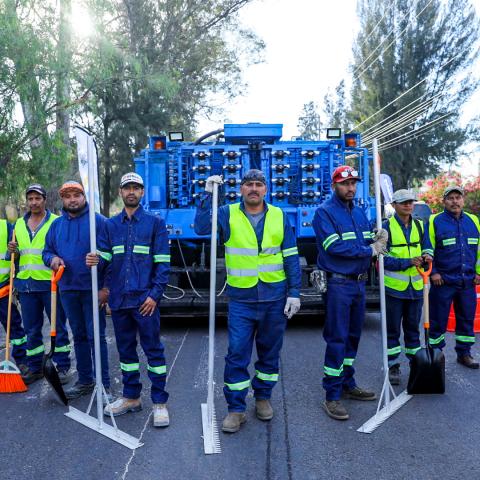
(348, 173)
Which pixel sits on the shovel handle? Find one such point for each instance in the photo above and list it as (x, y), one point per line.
(426, 311)
(56, 276)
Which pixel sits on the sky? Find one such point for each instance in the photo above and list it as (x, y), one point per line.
(308, 50)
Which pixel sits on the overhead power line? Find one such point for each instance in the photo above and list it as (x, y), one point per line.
(400, 96)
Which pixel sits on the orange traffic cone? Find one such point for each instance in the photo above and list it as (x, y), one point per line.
(476, 323)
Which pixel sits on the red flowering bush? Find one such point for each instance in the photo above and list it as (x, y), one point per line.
(434, 191)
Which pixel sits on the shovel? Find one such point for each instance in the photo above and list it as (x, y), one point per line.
(427, 368)
(48, 367)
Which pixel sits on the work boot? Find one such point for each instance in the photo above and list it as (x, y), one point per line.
(160, 415)
(23, 369)
(29, 377)
(394, 374)
(122, 406)
(263, 409)
(233, 421)
(78, 390)
(65, 376)
(358, 393)
(335, 410)
(467, 361)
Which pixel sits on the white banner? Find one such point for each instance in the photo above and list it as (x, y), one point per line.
(87, 151)
(387, 188)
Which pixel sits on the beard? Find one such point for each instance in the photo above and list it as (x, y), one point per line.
(131, 203)
(77, 209)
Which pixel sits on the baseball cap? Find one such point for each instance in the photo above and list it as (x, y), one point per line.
(345, 172)
(131, 177)
(253, 175)
(71, 185)
(403, 195)
(453, 188)
(36, 187)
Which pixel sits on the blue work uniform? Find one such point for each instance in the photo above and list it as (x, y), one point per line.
(343, 236)
(69, 239)
(404, 307)
(254, 313)
(455, 243)
(137, 249)
(18, 339)
(35, 298)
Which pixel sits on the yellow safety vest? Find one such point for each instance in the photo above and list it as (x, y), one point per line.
(4, 264)
(31, 263)
(245, 264)
(400, 248)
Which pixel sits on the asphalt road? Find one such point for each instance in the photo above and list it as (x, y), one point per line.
(430, 437)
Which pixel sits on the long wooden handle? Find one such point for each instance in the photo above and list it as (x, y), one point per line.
(10, 298)
(56, 276)
(426, 311)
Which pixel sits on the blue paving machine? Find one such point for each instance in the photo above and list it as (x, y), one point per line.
(298, 174)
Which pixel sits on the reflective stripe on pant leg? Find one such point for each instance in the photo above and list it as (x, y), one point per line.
(357, 318)
(394, 313)
(339, 299)
(149, 332)
(269, 340)
(125, 328)
(464, 304)
(242, 322)
(440, 299)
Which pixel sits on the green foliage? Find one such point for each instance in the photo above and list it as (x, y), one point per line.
(414, 40)
(309, 124)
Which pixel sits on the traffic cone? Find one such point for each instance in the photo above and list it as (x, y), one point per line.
(476, 323)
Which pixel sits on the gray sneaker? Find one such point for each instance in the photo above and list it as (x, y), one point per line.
(335, 410)
(233, 421)
(160, 415)
(122, 406)
(263, 409)
(78, 390)
(109, 396)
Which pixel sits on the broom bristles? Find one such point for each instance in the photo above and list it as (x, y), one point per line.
(11, 382)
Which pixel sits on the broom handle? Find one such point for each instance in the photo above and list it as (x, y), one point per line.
(10, 297)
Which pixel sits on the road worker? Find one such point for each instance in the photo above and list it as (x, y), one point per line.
(263, 286)
(135, 243)
(67, 243)
(18, 339)
(33, 282)
(454, 235)
(408, 247)
(346, 245)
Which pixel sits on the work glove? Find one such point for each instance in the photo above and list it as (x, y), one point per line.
(211, 180)
(380, 234)
(291, 307)
(379, 247)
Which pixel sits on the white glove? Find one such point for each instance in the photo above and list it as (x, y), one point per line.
(211, 180)
(291, 307)
(381, 234)
(379, 247)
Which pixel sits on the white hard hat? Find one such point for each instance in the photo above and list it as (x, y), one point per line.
(131, 177)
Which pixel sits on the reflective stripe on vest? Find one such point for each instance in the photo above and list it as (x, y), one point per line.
(31, 263)
(245, 264)
(400, 249)
(4, 264)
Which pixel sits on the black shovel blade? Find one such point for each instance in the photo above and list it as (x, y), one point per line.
(51, 374)
(427, 372)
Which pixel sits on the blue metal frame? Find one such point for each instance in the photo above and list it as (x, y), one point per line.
(298, 173)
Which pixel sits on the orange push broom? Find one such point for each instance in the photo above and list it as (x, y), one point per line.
(10, 379)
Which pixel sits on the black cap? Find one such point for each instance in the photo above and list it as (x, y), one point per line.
(36, 187)
(253, 175)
